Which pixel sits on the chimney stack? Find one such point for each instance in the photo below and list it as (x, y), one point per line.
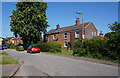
(101, 34)
(77, 21)
(58, 26)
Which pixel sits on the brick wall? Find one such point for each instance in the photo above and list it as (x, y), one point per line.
(88, 31)
(71, 35)
(60, 39)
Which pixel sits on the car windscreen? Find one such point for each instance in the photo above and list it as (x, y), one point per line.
(35, 46)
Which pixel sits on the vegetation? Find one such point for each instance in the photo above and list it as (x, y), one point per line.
(65, 52)
(49, 46)
(3, 53)
(29, 21)
(10, 46)
(107, 49)
(8, 60)
(69, 45)
(20, 48)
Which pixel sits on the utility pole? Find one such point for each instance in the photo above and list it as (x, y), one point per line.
(83, 28)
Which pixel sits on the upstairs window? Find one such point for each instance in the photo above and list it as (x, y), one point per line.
(76, 34)
(65, 36)
(94, 33)
(54, 37)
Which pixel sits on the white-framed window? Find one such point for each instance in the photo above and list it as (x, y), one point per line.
(94, 33)
(65, 44)
(76, 34)
(54, 37)
(12, 41)
(65, 36)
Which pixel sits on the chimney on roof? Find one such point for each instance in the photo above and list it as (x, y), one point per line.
(77, 21)
(58, 26)
(101, 34)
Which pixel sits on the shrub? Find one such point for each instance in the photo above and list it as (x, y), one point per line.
(97, 48)
(11, 45)
(50, 46)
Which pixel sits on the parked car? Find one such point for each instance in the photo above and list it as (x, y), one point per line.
(4, 46)
(1, 47)
(33, 49)
(20, 48)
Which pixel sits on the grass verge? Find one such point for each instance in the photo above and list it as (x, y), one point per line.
(8, 60)
(3, 53)
(65, 52)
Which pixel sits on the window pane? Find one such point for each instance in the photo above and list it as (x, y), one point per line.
(65, 36)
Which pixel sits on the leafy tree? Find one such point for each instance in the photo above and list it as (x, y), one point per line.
(108, 35)
(114, 41)
(29, 21)
(3, 42)
(115, 27)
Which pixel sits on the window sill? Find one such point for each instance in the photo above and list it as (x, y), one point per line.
(76, 37)
(65, 46)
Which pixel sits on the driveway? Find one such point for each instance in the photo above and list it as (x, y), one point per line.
(41, 64)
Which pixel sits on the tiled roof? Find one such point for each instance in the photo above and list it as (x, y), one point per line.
(68, 28)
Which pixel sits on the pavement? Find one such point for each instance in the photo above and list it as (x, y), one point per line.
(9, 70)
(47, 64)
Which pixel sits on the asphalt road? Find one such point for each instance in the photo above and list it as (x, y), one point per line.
(44, 64)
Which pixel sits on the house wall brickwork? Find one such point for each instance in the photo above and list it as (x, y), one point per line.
(88, 31)
(60, 39)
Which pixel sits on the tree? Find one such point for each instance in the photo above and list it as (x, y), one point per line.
(108, 35)
(115, 27)
(3, 41)
(29, 21)
(114, 41)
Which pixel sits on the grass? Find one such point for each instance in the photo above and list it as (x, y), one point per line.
(8, 60)
(65, 52)
(3, 53)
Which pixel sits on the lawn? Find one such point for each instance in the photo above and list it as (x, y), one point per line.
(8, 60)
(65, 52)
(3, 53)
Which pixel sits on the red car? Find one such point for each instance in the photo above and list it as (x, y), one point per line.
(33, 49)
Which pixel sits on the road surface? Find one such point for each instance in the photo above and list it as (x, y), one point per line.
(44, 64)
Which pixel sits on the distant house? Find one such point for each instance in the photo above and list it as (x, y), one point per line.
(1, 39)
(13, 40)
(71, 33)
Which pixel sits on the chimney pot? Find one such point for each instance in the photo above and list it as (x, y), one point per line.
(101, 34)
(58, 26)
(77, 21)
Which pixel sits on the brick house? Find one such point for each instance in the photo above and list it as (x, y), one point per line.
(1, 39)
(13, 40)
(71, 33)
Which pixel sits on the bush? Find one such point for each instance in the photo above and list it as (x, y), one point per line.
(20, 48)
(10, 45)
(97, 48)
(50, 46)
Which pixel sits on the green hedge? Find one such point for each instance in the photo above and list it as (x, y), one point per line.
(96, 48)
(10, 45)
(50, 46)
